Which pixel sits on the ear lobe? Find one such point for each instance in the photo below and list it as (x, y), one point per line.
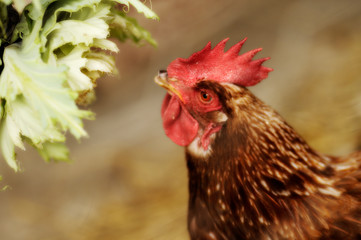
(221, 117)
(217, 117)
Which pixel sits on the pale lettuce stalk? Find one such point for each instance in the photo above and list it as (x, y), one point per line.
(61, 48)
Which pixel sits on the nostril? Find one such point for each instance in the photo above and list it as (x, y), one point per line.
(163, 73)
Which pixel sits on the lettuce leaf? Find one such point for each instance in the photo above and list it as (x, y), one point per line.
(38, 106)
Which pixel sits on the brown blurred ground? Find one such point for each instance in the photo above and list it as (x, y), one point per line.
(128, 181)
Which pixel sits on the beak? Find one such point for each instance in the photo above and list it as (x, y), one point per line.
(162, 80)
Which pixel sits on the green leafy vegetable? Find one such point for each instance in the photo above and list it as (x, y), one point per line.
(51, 59)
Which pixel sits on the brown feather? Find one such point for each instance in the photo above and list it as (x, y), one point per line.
(262, 181)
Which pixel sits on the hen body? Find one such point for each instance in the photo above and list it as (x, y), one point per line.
(251, 176)
(260, 180)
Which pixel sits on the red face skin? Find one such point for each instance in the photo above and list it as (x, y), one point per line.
(185, 115)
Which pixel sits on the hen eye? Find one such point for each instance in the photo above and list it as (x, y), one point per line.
(205, 97)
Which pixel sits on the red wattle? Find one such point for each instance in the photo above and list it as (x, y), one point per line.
(178, 124)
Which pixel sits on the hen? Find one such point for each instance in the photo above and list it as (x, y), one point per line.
(251, 176)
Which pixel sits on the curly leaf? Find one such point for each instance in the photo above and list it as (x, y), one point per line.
(9, 133)
(56, 151)
(140, 7)
(125, 27)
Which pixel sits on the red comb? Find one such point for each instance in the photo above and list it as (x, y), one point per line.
(215, 64)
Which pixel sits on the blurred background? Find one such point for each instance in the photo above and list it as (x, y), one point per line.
(127, 180)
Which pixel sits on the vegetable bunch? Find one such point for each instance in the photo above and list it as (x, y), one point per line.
(51, 53)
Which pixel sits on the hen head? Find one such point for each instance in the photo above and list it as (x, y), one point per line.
(196, 105)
